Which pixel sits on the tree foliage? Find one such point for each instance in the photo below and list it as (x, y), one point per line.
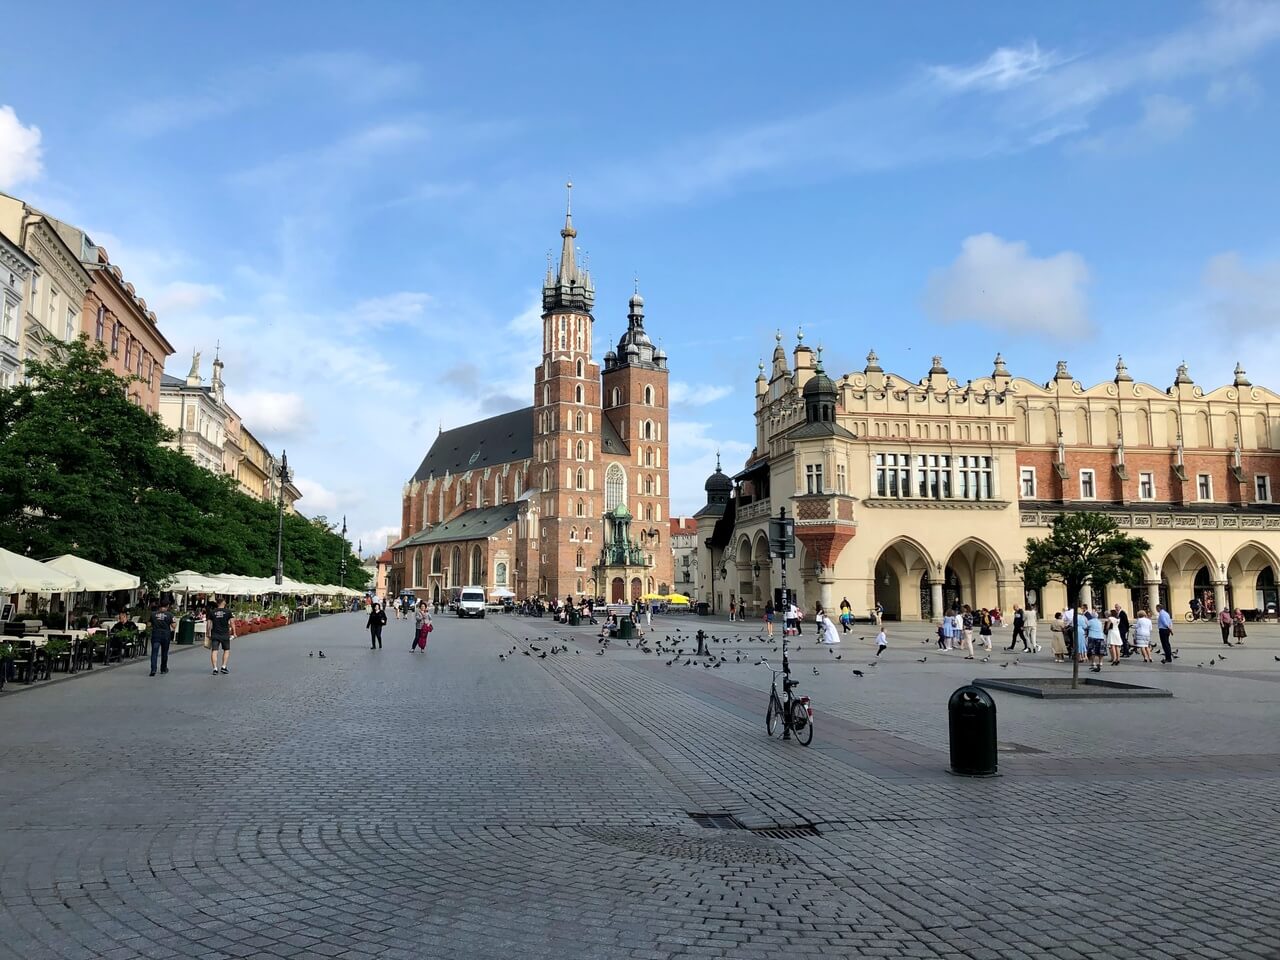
(82, 471)
(1083, 548)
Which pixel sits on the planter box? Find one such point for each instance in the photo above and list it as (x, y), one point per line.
(1059, 688)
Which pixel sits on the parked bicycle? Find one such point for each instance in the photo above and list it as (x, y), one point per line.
(1201, 614)
(792, 714)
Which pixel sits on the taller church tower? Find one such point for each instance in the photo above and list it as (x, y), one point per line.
(566, 410)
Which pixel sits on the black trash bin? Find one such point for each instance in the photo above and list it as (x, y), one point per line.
(186, 631)
(574, 617)
(703, 608)
(971, 718)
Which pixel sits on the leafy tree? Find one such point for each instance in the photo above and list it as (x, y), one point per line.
(82, 471)
(1083, 548)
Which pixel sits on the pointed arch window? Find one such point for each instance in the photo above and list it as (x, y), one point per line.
(581, 450)
(564, 327)
(648, 456)
(648, 429)
(578, 560)
(586, 535)
(648, 396)
(577, 422)
(546, 479)
(417, 568)
(436, 560)
(573, 534)
(577, 394)
(477, 566)
(648, 486)
(578, 365)
(581, 479)
(615, 397)
(582, 508)
(615, 487)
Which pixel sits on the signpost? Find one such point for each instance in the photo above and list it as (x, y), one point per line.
(782, 547)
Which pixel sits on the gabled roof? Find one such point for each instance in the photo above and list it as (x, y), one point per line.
(819, 428)
(610, 440)
(484, 443)
(471, 525)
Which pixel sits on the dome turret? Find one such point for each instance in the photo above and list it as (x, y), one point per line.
(718, 485)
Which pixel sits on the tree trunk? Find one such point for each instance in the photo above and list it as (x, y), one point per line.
(1073, 589)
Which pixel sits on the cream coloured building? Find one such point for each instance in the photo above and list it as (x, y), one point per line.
(921, 493)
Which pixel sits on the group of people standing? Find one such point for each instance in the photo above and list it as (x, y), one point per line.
(956, 630)
(1090, 636)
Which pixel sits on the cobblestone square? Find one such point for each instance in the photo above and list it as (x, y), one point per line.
(389, 804)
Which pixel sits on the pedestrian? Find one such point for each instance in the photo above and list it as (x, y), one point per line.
(161, 636)
(1096, 640)
(1018, 633)
(768, 618)
(1164, 624)
(221, 630)
(377, 620)
(1114, 643)
(818, 616)
(791, 621)
(829, 633)
(733, 609)
(882, 642)
(879, 611)
(966, 635)
(1031, 624)
(967, 625)
(846, 614)
(1225, 622)
(1238, 628)
(1122, 618)
(946, 631)
(1142, 635)
(957, 632)
(985, 623)
(422, 627)
(1056, 641)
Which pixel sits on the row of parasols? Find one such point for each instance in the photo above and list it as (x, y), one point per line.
(72, 574)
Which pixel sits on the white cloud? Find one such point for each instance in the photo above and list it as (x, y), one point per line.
(375, 540)
(270, 414)
(693, 458)
(999, 284)
(19, 150)
(1246, 297)
(1006, 67)
(394, 309)
(183, 296)
(1237, 88)
(1164, 118)
(697, 394)
(316, 498)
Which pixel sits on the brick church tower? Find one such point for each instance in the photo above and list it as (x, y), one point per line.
(566, 427)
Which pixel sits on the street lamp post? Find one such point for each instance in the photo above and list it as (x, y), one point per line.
(283, 472)
(342, 566)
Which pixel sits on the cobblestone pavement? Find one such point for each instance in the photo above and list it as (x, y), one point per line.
(455, 805)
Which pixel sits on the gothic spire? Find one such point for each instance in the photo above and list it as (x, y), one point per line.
(568, 262)
(568, 288)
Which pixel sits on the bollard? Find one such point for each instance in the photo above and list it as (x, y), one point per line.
(701, 637)
(971, 718)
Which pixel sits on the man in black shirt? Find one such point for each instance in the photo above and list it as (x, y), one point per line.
(220, 634)
(161, 635)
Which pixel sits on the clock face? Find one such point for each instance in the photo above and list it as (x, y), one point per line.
(474, 457)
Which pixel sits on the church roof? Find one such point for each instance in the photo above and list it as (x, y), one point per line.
(610, 440)
(484, 443)
(470, 525)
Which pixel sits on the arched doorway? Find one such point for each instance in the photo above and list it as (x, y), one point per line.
(902, 581)
(1266, 595)
(1249, 565)
(435, 592)
(977, 569)
(761, 575)
(636, 590)
(1186, 573)
(952, 591)
(617, 590)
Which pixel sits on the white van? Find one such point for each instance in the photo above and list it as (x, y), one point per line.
(471, 602)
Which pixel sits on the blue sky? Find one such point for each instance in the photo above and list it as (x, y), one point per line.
(358, 203)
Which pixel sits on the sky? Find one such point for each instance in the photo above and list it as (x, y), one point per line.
(357, 204)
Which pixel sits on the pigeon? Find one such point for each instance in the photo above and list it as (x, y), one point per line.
(599, 653)
(502, 656)
(815, 671)
(1201, 664)
(985, 660)
(717, 666)
(312, 654)
(1015, 661)
(321, 654)
(543, 655)
(1277, 659)
(527, 653)
(1212, 662)
(670, 662)
(839, 656)
(857, 673)
(1004, 666)
(689, 661)
(922, 660)
(1220, 656)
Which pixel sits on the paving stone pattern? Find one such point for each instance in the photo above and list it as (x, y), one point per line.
(398, 805)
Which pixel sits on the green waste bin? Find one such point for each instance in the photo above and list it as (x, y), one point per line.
(971, 717)
(626, 629)
(574, 617)
(187, 631)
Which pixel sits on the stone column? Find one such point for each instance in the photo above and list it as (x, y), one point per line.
(1219, 595)
(825, 582)
(1153, 597)
(935, 598)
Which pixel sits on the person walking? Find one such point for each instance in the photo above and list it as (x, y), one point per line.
(1096, 641)
(879, 613)
(882, 642)
(1031, 626)
(733, 609)
(964, 639)
(984, 631)
(422, 627)
(221, 631)
(769, 614)
(830, 635)
(966, 623)
(1238, 629)
(945, 630)
(1114, 643)
(1225, 622)
(1122, 618)
(1142, 635)
(1019, 619)
(161, 636)
(377, 620)
(1057, 642)
(1164, 624)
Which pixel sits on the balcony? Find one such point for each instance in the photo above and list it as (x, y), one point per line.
(756, 510)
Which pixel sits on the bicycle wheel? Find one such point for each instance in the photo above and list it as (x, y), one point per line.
(1190, 617)
(773, 719)
(801, 725)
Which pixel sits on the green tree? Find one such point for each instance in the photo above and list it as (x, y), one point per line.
(82, 471)
(1083, 548)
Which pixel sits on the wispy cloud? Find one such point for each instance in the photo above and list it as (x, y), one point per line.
(1000, 284)
(1246, 297)
(1163, 119)
(20, 151)
(1017, 98)
(307, 79)
(1005, 68)
(271, 413)
(697, 394)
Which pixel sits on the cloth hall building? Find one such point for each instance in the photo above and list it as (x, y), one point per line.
(567, 497)
(921, 494)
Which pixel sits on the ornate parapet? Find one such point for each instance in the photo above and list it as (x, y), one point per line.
(824, 524)
(1167, 520)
